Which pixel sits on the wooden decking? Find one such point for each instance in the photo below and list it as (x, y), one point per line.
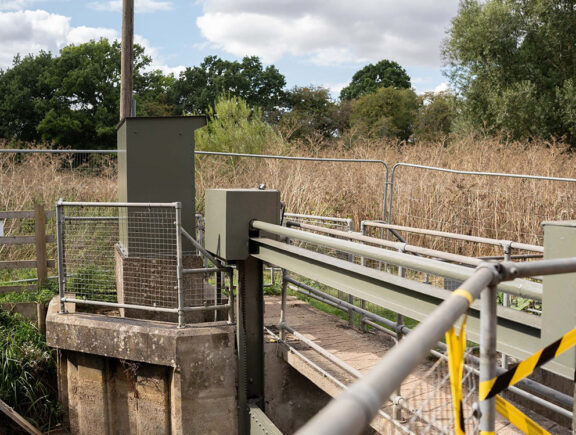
(362, 351)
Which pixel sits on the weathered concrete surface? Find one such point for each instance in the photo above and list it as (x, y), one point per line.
(119, 375)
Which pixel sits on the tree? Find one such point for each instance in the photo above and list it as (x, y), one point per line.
(73, 99)
(512, 61)
(234, 127)
(310, 112)
(83, 111)
(435, 116)
(384, 74)
(388, 112)
(199, 87)
(24, 94)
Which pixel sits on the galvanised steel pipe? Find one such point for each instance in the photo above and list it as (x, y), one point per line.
(542, 267)
(477, 239)
(521, 288)
(400, 246)
(454, 171)
(317, 218)
(17, 151)
(527, 383)
(355, 408)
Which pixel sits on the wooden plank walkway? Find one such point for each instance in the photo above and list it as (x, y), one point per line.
(362, 351)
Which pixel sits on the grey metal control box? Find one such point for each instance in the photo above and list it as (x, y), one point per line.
(228, 216)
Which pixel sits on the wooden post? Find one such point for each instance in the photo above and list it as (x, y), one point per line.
(40, 241)
(127, 61)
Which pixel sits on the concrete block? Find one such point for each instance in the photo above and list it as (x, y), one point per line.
(139, 376)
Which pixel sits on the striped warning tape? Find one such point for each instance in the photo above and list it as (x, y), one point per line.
(496, 385)
(456, 346)
(518, 418)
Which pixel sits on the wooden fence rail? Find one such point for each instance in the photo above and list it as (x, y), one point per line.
(39, 239)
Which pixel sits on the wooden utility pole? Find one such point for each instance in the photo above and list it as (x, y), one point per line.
(127, 62)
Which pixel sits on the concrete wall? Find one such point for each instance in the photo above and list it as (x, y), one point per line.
(128, 376)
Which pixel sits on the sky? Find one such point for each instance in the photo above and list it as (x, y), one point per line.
(311, 42)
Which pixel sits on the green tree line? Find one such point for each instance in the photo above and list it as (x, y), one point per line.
(511, 65)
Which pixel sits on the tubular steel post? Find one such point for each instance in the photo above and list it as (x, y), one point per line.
(350, 225)
(488, 324)
(283, 308)
(179, 266)
(507, 246)
(353, 410)
(397, 410)
(60, 243)
(363, 263)
(231, 299)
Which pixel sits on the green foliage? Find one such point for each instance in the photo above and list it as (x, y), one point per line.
(388, 112)
(43, 296)
(95, 283)
(513, 62)
(73, 99)
(384, 74)
(435, 116)
(234, 127)
(198, 88)
(28, 372)
(23, 96)
(310, 112)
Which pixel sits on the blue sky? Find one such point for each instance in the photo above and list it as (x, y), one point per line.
(319, 42)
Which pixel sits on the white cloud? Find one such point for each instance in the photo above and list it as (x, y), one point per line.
(140, 6)
(335, 88)
(82, 34)
(29, 32)
(16, 5)
(442, 87)
(341, 32)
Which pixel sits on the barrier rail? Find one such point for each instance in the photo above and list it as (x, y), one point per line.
(129, 256)
(363, 402)
(355, 408)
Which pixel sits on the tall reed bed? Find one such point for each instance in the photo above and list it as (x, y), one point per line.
(498, 207)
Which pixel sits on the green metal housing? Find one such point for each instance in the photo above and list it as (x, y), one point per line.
(156, 162)
(228, 216)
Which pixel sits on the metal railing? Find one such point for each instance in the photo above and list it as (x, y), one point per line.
(416, 345)
(474, 197)
(128, 256)
(355, 408)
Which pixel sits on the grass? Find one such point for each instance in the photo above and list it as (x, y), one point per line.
(28, 372)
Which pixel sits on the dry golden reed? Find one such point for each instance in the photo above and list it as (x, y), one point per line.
(497, 207)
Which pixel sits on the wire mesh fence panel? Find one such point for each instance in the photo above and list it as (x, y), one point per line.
(427, 400)
(504, 207)
(121, 254)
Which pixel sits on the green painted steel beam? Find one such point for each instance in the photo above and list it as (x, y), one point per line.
(518, 333)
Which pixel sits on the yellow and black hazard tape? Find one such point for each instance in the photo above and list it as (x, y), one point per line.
(496, 385)
(456, 347)
(518, 418)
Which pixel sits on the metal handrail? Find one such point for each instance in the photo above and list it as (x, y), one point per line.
(399, 246)
(461, 172)
(521, 288)
(353, 410)
(448, 235)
